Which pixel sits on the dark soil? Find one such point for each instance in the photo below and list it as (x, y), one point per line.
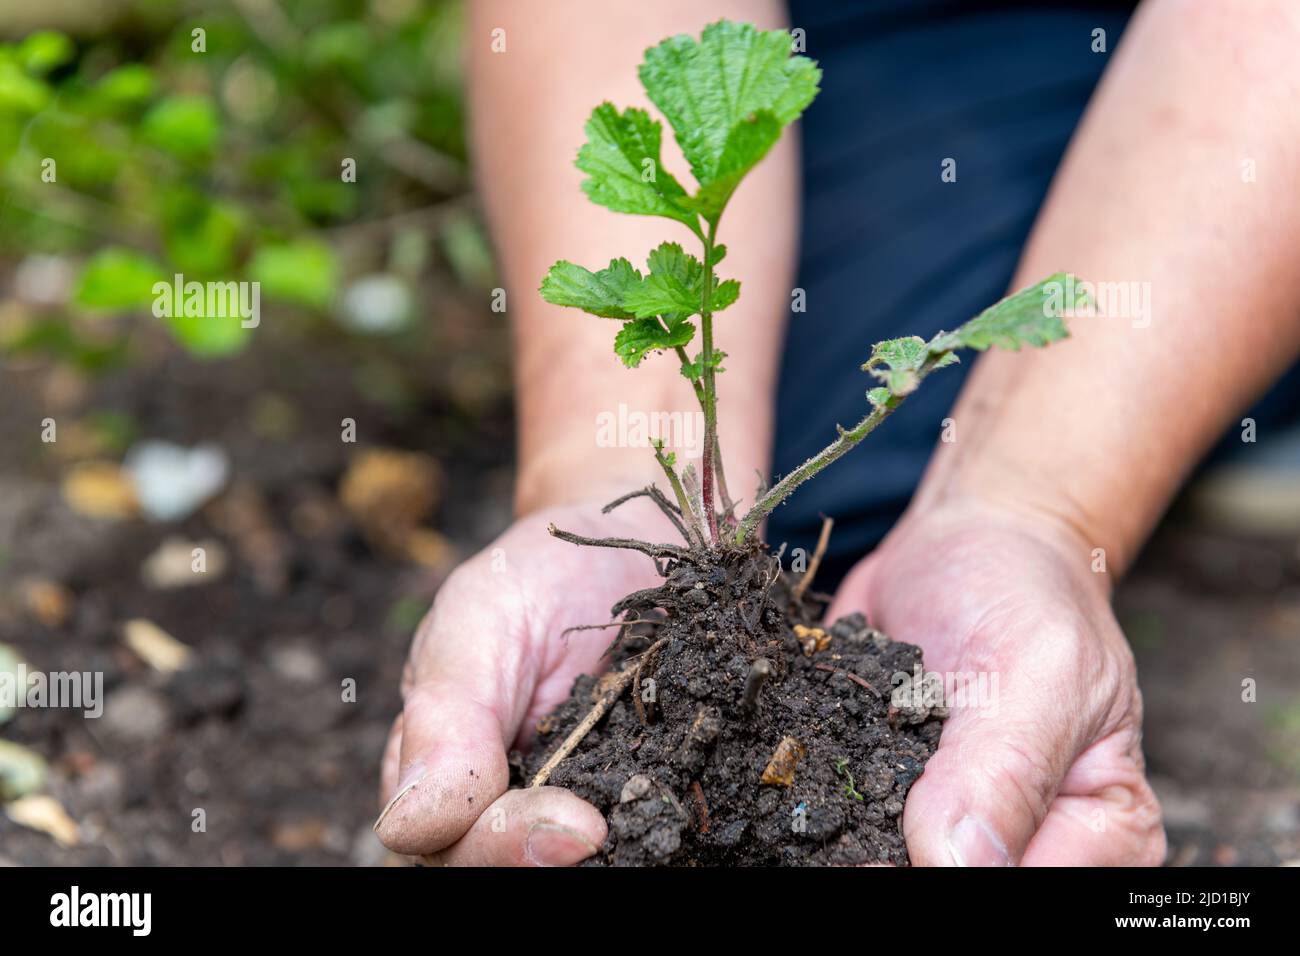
(680, 765)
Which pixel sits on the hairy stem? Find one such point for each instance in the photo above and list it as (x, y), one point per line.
(710, 389)
(835, 450)
(695, 535)
(728, 505)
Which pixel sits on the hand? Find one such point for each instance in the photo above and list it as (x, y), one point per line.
(1053, 774)
(487, 662)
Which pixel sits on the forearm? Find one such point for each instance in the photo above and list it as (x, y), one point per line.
(529, 105)
(1101, 430)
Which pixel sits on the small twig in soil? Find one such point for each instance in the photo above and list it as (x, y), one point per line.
(647, 661)
(822, 540)
(701, 805)
(850, 675)
(629, 544)
(618, 685)
(759, 672)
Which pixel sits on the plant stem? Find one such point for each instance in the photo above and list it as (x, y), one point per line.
(710, 389)
(689, 515)
(836, 449)
(728, 505)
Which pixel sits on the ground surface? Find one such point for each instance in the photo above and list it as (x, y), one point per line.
(255, 732)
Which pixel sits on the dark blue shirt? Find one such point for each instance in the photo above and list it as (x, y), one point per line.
(889, 248)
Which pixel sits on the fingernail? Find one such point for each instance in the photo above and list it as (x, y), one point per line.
(973, 843)
(552, 844)
(412, 775)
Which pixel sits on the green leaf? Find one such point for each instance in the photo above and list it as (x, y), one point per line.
(625, 173)
(879, 396)
(210, 336)
(304, 272)
(1030, 317)
(727, 96)
(45, 50)
(600, 293)
(675, 286)
(724, 294)
(201, 237)
(125, 87)
(897, 363)
(694, 370)
(184, 126)
(748, 143)
(118, 278)
(19, 92)
(672, 287)
(641, 336)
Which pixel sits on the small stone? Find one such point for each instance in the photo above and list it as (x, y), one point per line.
(48, 601)
(137, 714)
(22, 771)
(155, 646)
(39, 812)
(298, 664)
(636, 787)
(171, 482)
(99, 489)
(174, 564)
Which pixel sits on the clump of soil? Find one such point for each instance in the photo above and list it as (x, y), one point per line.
(814, 772)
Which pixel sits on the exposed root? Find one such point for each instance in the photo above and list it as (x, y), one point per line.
(646, 662)
(645, 599)
(628, 544)
(671, 510)
(822, 540)
(850, 675)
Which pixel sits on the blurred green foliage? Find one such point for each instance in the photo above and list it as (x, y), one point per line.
(219, 154)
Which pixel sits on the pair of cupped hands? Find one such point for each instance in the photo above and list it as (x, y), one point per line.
(1053, 775)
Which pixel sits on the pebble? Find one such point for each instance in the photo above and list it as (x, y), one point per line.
(137, 714)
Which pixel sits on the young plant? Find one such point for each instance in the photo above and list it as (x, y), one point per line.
(728, 97)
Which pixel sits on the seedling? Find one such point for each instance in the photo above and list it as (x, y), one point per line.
(728, 97)
(741, 700)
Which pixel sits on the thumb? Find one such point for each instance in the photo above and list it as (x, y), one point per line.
(990, 784)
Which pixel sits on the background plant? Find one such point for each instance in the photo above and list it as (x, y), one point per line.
(226, 162)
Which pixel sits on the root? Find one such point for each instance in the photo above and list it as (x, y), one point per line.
(647, 661)
(629, 544)
(816, 562)
(673, 512)
(850, 675)
(617, 685)
(644, 599)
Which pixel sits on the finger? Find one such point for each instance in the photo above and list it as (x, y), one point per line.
(989, 786)
(1106, 813)
(540, 826)
(452, 765)
(388, 764)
